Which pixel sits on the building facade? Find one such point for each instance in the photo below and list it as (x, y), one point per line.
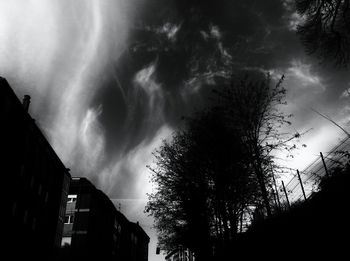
(139, 242)
(95, 229)
(35, 183)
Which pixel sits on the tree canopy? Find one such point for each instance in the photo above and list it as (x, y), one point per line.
(325, 30)
(212, 174)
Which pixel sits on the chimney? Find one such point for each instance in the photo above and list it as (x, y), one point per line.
(26, 102)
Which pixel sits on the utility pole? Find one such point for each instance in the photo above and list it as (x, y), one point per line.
(301, 184)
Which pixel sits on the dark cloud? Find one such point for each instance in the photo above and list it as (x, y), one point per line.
(108, 86)
(185, 41)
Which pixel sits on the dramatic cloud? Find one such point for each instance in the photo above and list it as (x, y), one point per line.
(56, 51)
(91, 141)
(109, 79)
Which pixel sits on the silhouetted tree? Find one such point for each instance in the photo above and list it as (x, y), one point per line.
(179, 203)
(254, 113)
(210, 174)
(231, 186)
(203, 185)
(325, 30)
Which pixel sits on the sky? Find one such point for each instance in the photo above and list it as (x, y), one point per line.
(110, 79)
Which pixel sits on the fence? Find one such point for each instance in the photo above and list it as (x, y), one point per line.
(309, 178)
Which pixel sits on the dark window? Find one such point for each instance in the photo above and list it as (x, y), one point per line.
(82, 219)
(25, 217)
(32, 182)
(66, 219)
(46, 197)
(34, 223)
(14, 208)
(40, 188)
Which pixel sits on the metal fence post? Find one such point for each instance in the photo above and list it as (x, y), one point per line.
(301, 184)
(285, 192)
(324, 164)
(278, 197)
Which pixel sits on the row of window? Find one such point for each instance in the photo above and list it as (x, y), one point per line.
(26, 217)
(32, 183)
(69, 219)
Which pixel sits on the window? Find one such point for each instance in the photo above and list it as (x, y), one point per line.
(34, 223)
(40, 189)
(72, 198)
(46, 197)
(14, 208)
(116, 224)
(25, 217)
(32, 182)
(68, 219)
(133, 238)
(22, 171)
(66, 241)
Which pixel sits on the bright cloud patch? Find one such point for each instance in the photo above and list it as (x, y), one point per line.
(215, 32)
(303, 73)
(345, 94)
(145, 79)
(294, 20)
(134, 162)
(170, 30)
(92, 140)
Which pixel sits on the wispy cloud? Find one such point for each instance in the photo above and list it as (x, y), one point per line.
(345, 94)
(55, 51)
(304, 74)
(91, 142)
(131, 167)
(146, 80)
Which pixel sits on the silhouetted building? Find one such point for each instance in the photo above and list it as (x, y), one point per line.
(139, 242)
(95, 229)
(34, 182)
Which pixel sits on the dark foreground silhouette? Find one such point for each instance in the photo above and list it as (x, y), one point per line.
(316, 228)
